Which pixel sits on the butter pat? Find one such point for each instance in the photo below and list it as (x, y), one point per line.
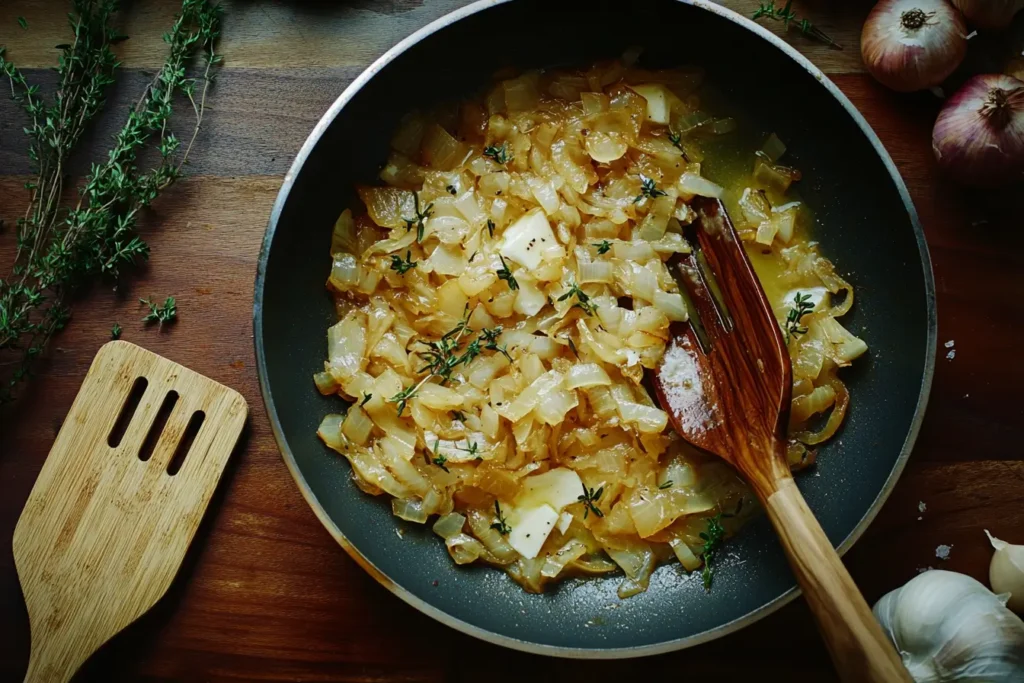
(658, 103)
(558, 487)
(531, 526)
(526, 239)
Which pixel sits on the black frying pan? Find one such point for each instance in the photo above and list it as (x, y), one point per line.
(866, 224)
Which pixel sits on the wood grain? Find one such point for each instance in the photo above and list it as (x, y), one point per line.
(860, 649)
(309, 33)
(265, 593)
(108, 521)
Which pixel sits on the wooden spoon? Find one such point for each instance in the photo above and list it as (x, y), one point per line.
(118, 501)
(726, 381)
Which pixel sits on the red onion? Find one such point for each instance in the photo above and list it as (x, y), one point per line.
(979, 135)
(989, 13)
(913, 44)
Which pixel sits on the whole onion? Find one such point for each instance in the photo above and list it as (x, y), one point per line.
(979, 135)
(913, 44)
(989, 13)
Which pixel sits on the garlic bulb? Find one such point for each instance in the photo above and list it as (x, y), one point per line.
(948, 627)
(1006, 572)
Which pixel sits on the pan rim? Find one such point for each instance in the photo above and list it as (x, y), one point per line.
(515, 643)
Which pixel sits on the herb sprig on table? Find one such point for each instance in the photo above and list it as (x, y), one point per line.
(60, 250)
(787, 15)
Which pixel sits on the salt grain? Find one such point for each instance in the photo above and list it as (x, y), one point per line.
(942, 552)
(951, 355)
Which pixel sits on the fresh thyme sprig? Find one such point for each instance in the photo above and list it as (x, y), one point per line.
(582, 299)
(168, 312)
(438, 459)
(501, 525)
(802, 305)
(666, 485)
(421, 216)
(499, 153)
(589, 500)
(603, 247)
(366, 399)
(115, 331)
(713, 538)
(402, 266)
(504, 273)
(491, 339)
(442, 356)
(787, 15)
(677, 141)
(59, 250)
(648, 188)
(490, 227)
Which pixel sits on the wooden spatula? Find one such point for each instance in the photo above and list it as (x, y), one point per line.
(118, 500)
(726, 386)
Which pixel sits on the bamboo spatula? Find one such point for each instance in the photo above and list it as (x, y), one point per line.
(118, 501)
(726, 383)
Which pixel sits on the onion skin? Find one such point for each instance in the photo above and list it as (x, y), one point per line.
(910, 45)
(978, 138)
(990, 14)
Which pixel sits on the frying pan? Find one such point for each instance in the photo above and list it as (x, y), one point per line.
(865, 222)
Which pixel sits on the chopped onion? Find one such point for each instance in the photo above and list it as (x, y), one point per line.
(605, 147)
(449, 525)
(388, 207)
(358, 425)
(773, 148)
(330, 431)
(325, 383)
(441, 151)
(409, 509)
(556, 562)
(346, 346)
(690, 183)
(598, 271)
(647, 418)
(672, 305)
(585, 375)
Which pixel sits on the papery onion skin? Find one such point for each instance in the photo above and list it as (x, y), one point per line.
(978, 137)
(989, 13)
(910, 45)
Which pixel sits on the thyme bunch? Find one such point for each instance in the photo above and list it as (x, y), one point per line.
(60, 250)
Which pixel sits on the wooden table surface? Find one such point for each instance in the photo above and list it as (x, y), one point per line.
(266, 594)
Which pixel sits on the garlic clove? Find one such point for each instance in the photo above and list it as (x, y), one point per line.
(1006, 571)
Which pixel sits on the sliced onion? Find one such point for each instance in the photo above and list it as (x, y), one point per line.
(409, 509)
(597, 271)
(325, 383)
(556, 562)
(672, 305)
(449, 525)
(388, 207)
(586, 375)
(441, 150)
(358, 425)
(330, 431)
(691, 183)
(646, 418)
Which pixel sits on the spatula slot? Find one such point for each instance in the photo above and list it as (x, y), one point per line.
(195, 423)
(153, 436)
(124, 418)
